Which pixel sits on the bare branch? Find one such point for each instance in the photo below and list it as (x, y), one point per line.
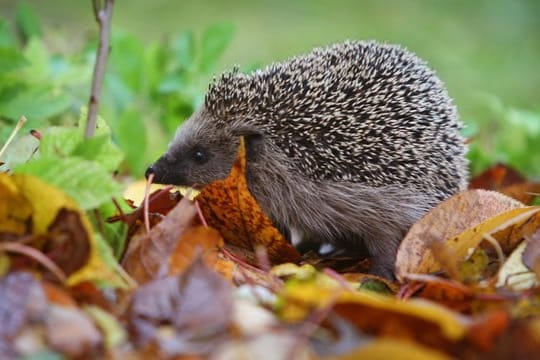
(103, 16)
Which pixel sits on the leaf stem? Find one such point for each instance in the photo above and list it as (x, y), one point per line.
(18, 127)
(103, 16)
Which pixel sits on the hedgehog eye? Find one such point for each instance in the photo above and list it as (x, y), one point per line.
(200, 155)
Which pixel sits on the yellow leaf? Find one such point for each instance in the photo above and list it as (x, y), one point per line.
(15, 209)
(384, 349)
(46, 201)
(460, 224)
(369, 311)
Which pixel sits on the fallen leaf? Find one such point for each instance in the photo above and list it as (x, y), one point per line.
(46, 202)
(114, 333)
(67, 242)
(495, 178)
(420, 320)
(15, 209)
(199, 240)
(22, 301)
(531, 254)
(514, 274)
(520, 341)
(444, 223)
(382, 349)
(507, 181)
(229, 207)
(71, 332)
(185, 314)
(148, 252)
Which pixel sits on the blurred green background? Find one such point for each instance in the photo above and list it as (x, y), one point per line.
(165, 52)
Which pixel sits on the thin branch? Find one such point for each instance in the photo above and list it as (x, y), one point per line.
(18, 127)
(104, 17)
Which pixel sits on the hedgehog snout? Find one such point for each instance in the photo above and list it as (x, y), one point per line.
(160, 170)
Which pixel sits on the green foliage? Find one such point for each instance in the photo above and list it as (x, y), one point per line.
(149, 89)
(508, 135)
(80, 167)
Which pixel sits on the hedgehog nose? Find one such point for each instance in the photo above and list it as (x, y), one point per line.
(149, 171)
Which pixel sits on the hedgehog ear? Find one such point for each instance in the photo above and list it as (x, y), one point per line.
(254, 141)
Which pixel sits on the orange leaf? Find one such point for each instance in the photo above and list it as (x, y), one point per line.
(194, 240)
(149, 251)
(229, 207)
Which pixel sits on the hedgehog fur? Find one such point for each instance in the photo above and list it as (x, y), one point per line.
(348, 145)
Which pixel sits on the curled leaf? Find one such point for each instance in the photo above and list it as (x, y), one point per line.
(229, 207)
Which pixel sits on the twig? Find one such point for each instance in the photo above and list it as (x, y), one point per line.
(36, 255)
(18, 127)
(146, 205)
(103, 16)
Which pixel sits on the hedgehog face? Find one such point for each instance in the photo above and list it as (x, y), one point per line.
(197, 155)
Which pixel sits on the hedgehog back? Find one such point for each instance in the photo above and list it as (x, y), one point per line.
(357, 112)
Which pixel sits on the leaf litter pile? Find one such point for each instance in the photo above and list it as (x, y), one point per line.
(212, 278)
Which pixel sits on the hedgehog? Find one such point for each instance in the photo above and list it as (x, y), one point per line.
(347, 146)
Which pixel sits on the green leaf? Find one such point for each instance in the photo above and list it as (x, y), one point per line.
(59, 141)
(69, 141)
(27, 22)
(100, 149)
(11, 59)
(215, 40)
(86, 182)
(6, 37)
(131, 136)
(184, 49)
(114, 233)
(35, 103)
(36, 53)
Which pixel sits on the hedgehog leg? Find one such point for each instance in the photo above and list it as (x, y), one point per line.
(382, 250)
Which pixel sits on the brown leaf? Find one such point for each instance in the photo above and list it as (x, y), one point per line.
(486, 330)
(450, 293)
(531, 254)
(200, 240)
(185, 314)
(525, 191)
(447, 220)
(22, 300)
(229, 207)
(149, 251)
(495, 178)
(520, 341)
(71, 332)
(68, 243)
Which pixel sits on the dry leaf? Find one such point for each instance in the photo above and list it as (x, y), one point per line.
(383, 349)
(229, 207)
(508, 181)
(15, 209)
(22, 301)
(149, 251)
(531, 254)
(185, 314)
(514, 274)
(195, 241)
(443, 223)
(46, 202)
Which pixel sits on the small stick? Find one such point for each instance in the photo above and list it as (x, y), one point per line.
(146, 202)
(18, 127)
(36, 255)
(103, 16)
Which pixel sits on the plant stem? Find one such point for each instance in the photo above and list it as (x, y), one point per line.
(103, 16)
(18, 127)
